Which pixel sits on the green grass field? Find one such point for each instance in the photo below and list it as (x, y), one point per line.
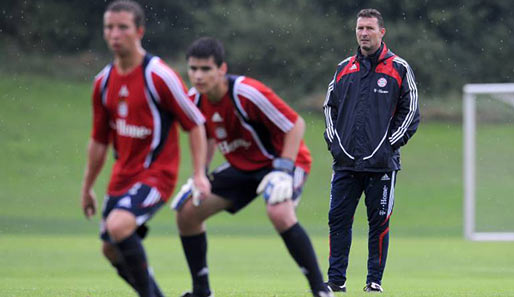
(47, 248)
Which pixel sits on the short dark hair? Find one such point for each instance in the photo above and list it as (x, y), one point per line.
(129, 6)
(206, 47)
(372, 13)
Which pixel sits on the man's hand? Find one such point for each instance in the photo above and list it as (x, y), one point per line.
(201, 187)
(277, 186)
(89, 203)
(190, 189)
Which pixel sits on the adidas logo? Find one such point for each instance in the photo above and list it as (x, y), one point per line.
(123, 91)
(125, 202)
(216, 118)
(385, 177)
(354, 66)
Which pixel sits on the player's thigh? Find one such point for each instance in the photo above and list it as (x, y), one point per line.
(208, 207)
(239, 187)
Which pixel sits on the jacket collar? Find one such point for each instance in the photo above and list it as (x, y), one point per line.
(382, 54)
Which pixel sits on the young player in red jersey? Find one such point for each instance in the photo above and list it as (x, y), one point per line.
(261, 138)
(137, 102)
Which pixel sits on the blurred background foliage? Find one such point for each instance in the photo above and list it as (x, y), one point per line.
(293, 46)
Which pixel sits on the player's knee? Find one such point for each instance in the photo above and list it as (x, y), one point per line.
(120, 227)
(281, 217)
(188, 218)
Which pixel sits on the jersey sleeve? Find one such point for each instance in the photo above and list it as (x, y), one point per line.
(263, 105)
(101, 129)
(172, 96)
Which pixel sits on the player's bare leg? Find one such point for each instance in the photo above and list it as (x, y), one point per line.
(190, 222)
(121, 226)
(191, 218)
(283, 217)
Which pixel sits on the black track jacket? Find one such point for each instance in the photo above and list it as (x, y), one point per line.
(371, 110)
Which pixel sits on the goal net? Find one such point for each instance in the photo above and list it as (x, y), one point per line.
(488, 114)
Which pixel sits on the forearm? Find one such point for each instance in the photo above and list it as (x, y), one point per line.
(293, 139)
(211, 149)
(198, 148)
(96, 158)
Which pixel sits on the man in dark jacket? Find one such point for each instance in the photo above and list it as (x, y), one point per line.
(371, 110)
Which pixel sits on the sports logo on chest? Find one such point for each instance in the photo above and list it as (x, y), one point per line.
(122, 103)
(382, 82)
(220, 132)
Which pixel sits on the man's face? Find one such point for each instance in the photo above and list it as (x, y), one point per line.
(204, 74)
(369, 34)
(120, 32)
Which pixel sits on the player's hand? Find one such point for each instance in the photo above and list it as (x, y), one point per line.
(277, 186)
(88, 203)
(201, 188)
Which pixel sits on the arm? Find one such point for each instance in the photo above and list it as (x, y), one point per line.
(211, 149)
(406, 118)
(292, 140)
(97, 152)
(330, 111)
(198, 147)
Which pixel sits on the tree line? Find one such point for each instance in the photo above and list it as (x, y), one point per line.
(292, 45)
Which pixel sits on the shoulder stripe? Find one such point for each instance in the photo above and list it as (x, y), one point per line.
(104, 76)
(149, 79)
(398, 134)
(265, 106)
(175, 86)
(344, 61)
(196, 94)
(327, 110)
(236, 97)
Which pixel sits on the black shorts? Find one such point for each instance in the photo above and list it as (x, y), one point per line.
(239, 187)
(141, 200)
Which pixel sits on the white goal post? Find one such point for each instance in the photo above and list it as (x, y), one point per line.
(498, 91)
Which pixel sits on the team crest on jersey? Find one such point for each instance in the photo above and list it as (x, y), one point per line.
(220, 132)
(122, 108)
(382, 82)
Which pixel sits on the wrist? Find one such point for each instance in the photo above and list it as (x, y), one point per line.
(283, 164)
(199, 173)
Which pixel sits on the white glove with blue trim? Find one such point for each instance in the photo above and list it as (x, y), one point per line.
(277, 186)
(187, 191)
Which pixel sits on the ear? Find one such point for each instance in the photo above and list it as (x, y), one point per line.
(141, 32)
(382, 31)
(224, 68)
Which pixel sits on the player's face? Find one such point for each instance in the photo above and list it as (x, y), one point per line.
(120, 32)
(204, 74)
(369, 34)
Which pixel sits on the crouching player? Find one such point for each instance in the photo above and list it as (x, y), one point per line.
(261, 138)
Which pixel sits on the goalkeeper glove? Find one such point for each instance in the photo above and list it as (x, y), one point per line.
(277, 186)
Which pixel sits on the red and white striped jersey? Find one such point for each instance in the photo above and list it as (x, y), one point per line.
(138, 112)
(249, 124)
